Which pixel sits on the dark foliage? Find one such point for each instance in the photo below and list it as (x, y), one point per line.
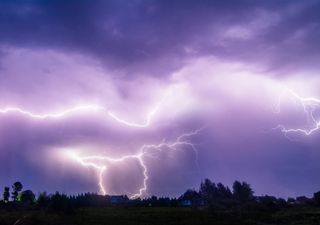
(216, 199)
(16, 187)
(27, 197)
(6, 194)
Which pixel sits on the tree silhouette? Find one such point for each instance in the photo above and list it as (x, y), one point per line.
(27, 196)
(6, 194)
(17, 187)
(223, 191)
(242, 191)
(316, 197)
(43, 199)
(208, 191)
(190, 195)
(59, 202)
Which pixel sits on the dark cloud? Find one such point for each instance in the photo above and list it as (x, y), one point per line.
(58, 54)
(157, 36)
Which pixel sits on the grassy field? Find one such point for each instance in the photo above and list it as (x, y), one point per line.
(159, 216)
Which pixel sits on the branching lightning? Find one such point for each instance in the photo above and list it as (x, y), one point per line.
(309, 106)
(89, 109)
(84, 108)
(134, 124)
(100, 163)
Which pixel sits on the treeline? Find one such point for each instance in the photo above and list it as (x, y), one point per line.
(210, 195)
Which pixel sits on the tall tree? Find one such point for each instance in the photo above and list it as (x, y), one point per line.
(6, 194)
(242, 191)
(27, 196)
(223, 191)
(208, 191)
(17, 187)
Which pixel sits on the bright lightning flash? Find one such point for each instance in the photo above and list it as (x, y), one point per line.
(309, 105)
(89, 109)
(85, 108)
(100, 163)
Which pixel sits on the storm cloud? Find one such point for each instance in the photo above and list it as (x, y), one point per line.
(173, 65)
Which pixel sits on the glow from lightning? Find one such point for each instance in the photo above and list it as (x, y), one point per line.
(133, 124)
(309, 105)
(86, 109)
(100, 163)
(80, 109)
(90, 109)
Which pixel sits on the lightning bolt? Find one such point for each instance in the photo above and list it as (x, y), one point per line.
(100, 163)
(150, 114)
(309, 106)
(88, 109)
(133, 124)
(84, 108)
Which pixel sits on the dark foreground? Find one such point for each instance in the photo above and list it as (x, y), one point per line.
(161, 216)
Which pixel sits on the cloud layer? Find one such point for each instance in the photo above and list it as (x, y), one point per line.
(222, 65)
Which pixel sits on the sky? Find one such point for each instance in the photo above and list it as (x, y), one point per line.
(149, 97)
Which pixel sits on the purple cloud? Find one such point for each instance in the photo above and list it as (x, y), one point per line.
(152, 71)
